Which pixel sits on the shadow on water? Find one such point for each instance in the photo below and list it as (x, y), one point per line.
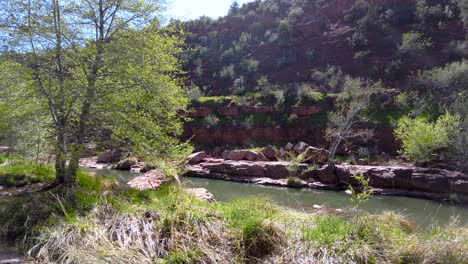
(424, 212)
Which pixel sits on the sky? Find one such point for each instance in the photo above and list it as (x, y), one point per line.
(192, 9)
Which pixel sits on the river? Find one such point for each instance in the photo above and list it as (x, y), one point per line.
(424, 212)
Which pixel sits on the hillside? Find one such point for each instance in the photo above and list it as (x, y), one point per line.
(293, 42)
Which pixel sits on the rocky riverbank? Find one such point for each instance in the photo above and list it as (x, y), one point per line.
(427, 183)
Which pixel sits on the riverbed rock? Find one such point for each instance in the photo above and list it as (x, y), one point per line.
(314, 155)
(251, 155)
(270, 152)
(261, 157)
(237, 155)
(196, 157)
(151, 180)
(126, 164)
(202, 194)
(300, 147)
(289, 147)
(427, 183)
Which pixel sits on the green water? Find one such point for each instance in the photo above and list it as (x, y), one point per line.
(424, 212)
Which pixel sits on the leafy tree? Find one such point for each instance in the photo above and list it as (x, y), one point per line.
(421, 139)
(414, 42)
(350, 111)
(100, 60)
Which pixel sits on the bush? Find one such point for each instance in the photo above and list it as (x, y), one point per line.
(358, 41)
(238, 86)
(211, 121)
(414, 42)
(228, 72)
(421, 139)
(295, 182)
(307, 93)
(194, 93)
(444, 80)
(396, 70)
(250, 65)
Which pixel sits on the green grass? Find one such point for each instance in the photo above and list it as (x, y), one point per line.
(20, 173)
(327, 230)
(90, 224)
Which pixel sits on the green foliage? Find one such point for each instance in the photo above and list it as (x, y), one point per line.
(306, 93)
(414, 42)
(446, 80)
(358, 197)
(421, 139)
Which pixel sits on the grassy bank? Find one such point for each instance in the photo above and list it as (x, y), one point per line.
(96, 223)
(15, 172)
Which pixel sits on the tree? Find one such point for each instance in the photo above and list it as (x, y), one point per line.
(351, 107)
(104, 61)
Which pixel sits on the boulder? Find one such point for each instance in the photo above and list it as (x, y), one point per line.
(236, 155)
(151, 180)
(202, 194)
(289, 147)
(251, 155)
(196, 157)
(270, 152)
(300, 147)
(104, 157)
(126, 164)
(314, 155)
(109, 156)
(261, 157)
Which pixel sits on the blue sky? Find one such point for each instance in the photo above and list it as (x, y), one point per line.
(191, 9)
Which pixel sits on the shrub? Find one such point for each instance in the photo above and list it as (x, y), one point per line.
(239, 86)
(421, 139)
(211, 121)
(358, 41)
(444, 80)
(307, 92)
(228, 72)
(194, 93)
(295, 182)
(250, 65)
(414, 42)
(396, 70)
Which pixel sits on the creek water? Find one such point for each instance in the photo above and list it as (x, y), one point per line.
(424, 212)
